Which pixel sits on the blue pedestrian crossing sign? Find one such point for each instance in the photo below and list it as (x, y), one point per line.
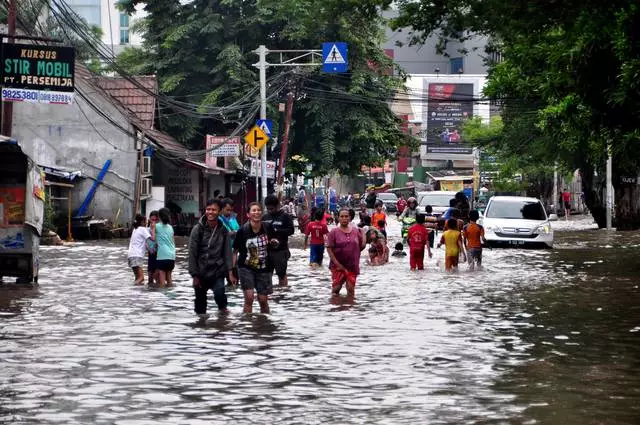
(266, 126)
(334, 57)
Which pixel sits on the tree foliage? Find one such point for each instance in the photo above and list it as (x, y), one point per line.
(202, 52)
(568, 82)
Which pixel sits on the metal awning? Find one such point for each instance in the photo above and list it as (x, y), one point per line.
(207, 169)
(61, 172)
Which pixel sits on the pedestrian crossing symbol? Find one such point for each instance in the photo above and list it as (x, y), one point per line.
(334, 57)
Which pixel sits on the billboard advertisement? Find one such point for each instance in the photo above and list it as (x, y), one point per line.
(449, 105)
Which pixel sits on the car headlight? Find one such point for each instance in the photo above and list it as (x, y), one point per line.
(544, 229)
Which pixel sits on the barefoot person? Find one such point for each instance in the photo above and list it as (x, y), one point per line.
(138, 248)
(251, 256)
(344, 245)
(210, 259)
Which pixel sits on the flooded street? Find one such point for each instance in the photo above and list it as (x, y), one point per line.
(537, 337)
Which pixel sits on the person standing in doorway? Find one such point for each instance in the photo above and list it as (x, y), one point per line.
(251, 256)
(166, 257)
(138, 248)
(283, 227)
(210, 259)
(344, 245)
(566, 200)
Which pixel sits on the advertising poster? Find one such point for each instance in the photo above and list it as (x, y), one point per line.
(449, 105)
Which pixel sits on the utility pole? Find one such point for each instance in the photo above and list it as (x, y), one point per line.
(314, 58)
(285, 142)
(555, 189)
(7, 107)
(262, 67)
(138, 189)
(609, 188)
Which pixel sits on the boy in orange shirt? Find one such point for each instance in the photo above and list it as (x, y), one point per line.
(378, 216)
(473, 234)
(452, 240)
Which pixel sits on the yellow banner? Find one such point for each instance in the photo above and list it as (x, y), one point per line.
(451, 185)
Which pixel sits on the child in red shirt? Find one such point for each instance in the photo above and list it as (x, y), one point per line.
(316, 231)
(418, 238)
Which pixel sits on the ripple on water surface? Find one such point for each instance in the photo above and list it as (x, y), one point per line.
(536, 337)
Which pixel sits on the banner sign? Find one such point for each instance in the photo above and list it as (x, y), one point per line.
(449, 105)
(256, 168)
(221, 146)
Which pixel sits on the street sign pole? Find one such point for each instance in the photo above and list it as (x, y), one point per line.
(262, 66)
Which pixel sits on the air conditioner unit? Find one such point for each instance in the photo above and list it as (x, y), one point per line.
(146, 165)
(146, 187)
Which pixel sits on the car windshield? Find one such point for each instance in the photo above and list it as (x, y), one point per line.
(524, 210)
(387, 196)
(436, 199)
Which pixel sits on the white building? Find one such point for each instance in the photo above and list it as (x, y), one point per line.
(115, 25)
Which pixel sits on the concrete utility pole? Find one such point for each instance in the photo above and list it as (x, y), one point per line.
(7, 107)
(315, 59)
(609, 188)
(262, 67)
(555, 189)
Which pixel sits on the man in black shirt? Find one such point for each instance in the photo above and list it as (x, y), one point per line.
(283, 226)
(251, 248)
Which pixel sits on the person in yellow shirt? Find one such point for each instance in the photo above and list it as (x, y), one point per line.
(452, 241)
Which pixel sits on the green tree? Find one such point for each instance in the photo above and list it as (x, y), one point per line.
(202, 53)
(568, 82)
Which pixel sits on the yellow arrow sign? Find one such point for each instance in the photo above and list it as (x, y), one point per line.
(256, 138)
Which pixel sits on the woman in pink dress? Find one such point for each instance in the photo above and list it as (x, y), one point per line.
(344, 245)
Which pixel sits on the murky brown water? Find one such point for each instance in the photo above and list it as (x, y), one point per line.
(547, 337)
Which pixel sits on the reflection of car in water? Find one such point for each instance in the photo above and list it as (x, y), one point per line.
(518, 222)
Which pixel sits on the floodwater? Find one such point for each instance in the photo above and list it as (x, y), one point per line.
(537, 337)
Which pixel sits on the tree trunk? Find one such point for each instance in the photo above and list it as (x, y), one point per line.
(594, 196)
(627, 206)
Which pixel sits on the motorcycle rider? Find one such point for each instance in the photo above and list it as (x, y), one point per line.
(411, 210)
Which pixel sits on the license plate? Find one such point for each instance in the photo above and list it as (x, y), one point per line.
(516, 242)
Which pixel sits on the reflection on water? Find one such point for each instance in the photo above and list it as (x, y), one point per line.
(547, 337)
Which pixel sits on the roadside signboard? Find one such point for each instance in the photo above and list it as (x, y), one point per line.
(256, 168)
(221, 146)
(256, 138)
(334, 57)
(39, 74)
(266, 126)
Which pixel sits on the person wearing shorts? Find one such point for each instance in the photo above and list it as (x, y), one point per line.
(138, 248)
(152, 255)
(166, 258)
(251, 255)
(315, 239)
(452, 240)
(344, 245)
(473, 234)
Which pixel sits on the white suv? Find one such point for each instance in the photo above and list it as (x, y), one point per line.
(518, 222)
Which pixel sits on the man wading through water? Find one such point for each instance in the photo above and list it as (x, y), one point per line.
(210, 259)
(283, 226)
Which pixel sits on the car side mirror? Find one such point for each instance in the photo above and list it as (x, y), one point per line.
(553, 217)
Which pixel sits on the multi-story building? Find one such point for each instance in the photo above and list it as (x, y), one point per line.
(115, 24)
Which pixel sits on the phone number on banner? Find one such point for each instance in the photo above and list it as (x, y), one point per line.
(37, 96)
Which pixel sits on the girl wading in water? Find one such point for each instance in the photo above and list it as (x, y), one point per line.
(344, 245)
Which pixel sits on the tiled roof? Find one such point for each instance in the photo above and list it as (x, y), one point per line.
(136, 100)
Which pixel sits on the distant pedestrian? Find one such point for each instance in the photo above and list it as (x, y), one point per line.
(344, 245)
(210, 259)
(566, 200)
(152, 249)
(229, 219)
(283, 227)
(418, 238)
(166, 259)
(452, 240)
(138, 248)
(315, 239)
(370, 201)
(401, 205)
(473, 235)
(379, 216)
(251, 256)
